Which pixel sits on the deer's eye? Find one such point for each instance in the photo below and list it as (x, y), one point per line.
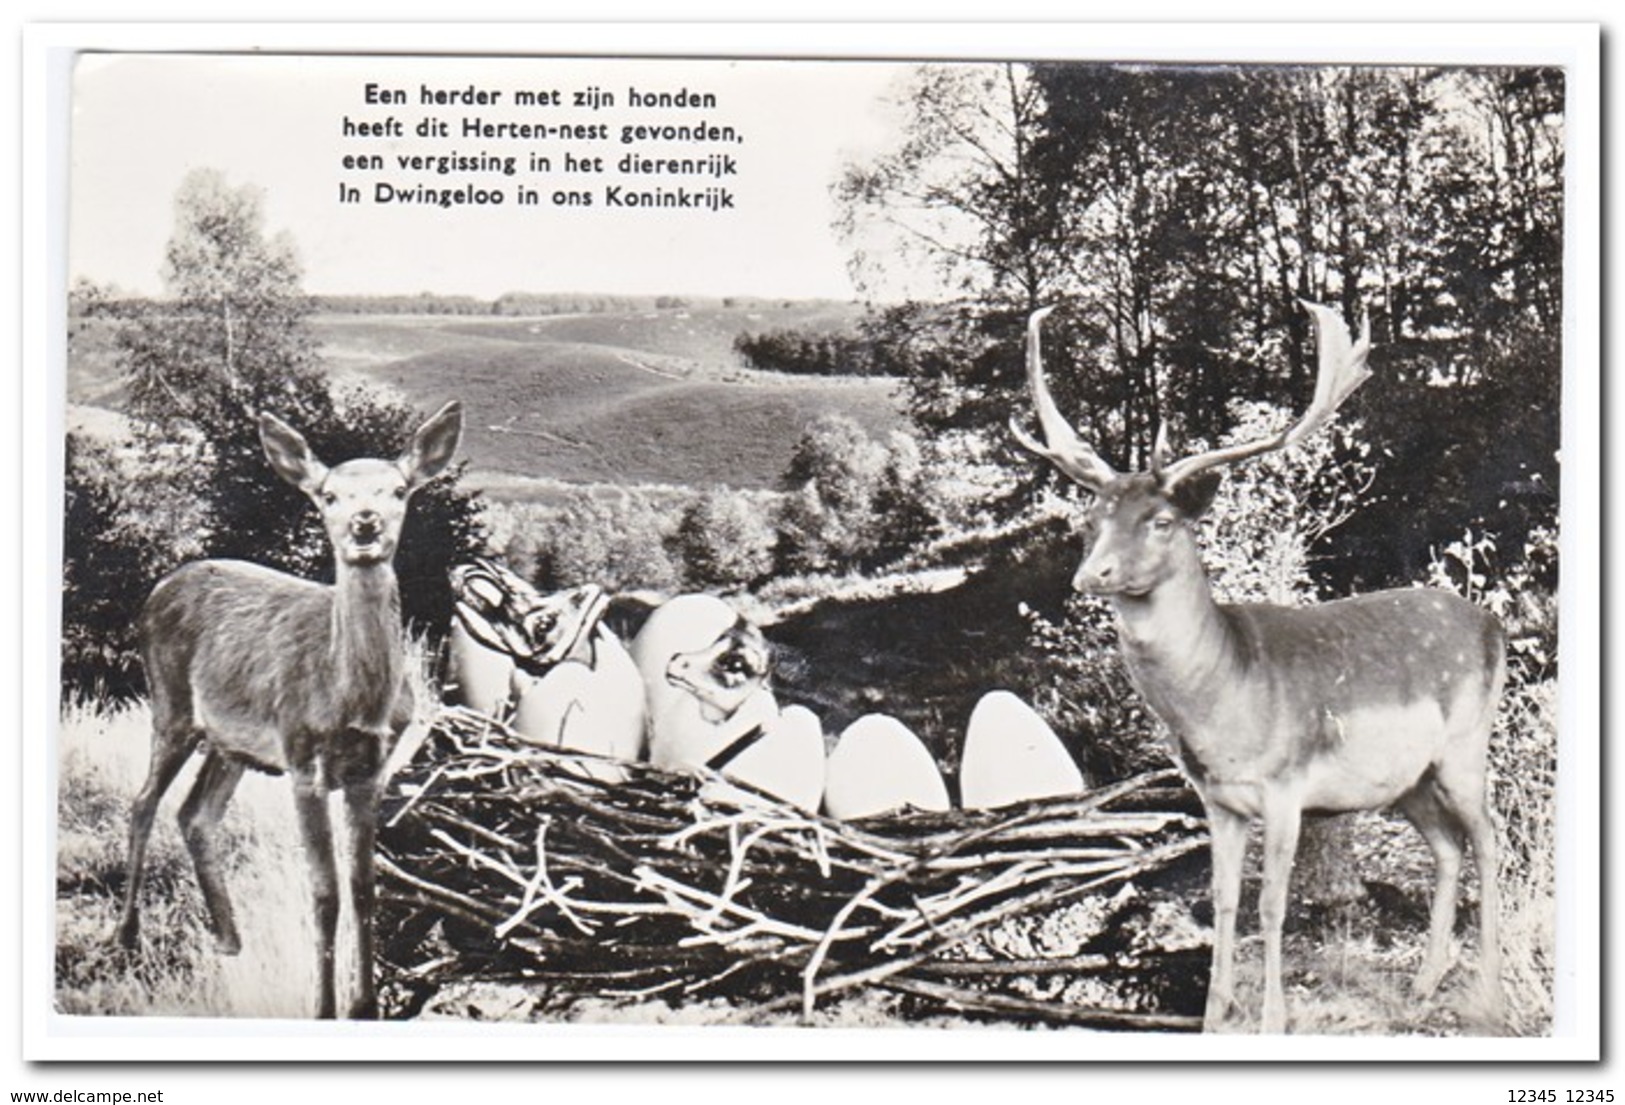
(1162, 524)
(539, 626)
(329, 498)
(400, 492)
(735, 668)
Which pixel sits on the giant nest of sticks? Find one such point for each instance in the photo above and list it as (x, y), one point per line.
(499, 861)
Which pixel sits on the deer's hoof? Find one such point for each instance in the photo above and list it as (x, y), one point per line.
(1219, 1007)
(1493, 1003)
(1426, 982)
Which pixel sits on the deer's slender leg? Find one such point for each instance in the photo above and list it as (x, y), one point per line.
(1282, 820)
(316, 832)
(200, 818)
(170, 750)
(1486, 854)
(1465, 798)
(1229, 848)
(361, 810)
(1443, 835)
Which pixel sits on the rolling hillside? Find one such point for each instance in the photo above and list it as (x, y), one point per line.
(654, 397)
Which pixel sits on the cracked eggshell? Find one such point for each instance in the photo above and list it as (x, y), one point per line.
(597, 709)
(682, 624)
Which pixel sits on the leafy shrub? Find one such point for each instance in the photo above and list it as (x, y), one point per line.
(619, 542)
(1092, 694)
(110, 554)
(1521, 593)
(853, 501)
(1260, 536)
(910, 502)
(810, 533)
(724, 539)
(517, 532)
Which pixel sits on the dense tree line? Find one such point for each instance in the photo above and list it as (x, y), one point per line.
(1179, 215)
(576, 303)
(424, 303)
(807, 353)
(87, 299)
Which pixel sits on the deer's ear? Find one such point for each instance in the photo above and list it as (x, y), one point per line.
(433, 445)
(1194, 494)
(288, 453)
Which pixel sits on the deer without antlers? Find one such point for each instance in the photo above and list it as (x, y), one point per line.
(1382, 699)
(269, 671)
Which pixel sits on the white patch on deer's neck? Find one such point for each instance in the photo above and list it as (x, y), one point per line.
(366, 641)
(1178, 646)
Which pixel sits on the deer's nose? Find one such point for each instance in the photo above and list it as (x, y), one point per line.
(1093, 576)
(367, 524)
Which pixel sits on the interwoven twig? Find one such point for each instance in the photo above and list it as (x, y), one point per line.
(501, 860)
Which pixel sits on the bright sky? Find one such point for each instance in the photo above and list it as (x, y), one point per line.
(140, 122)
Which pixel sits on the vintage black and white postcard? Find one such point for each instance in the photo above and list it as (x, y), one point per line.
(1037, 545)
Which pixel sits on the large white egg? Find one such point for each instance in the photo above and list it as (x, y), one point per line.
(483, 676)
(787, 761)
(598, 709)
(1012, 755)
(878, 765)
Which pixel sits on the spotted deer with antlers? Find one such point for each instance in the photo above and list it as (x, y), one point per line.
(261, 669)
(1384, 699)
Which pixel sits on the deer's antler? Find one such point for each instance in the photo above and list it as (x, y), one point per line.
(1061, 445)
(1342, 369)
